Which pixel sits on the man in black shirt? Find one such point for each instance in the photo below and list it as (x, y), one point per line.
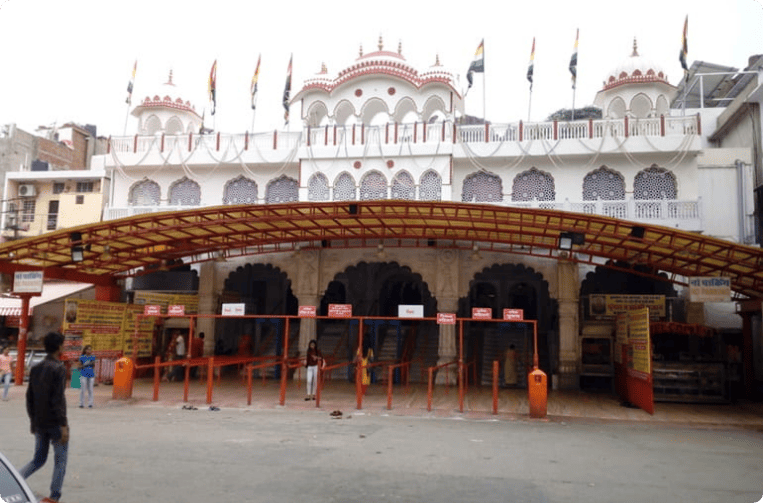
(46, 406)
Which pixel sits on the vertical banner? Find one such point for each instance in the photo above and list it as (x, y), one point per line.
(621, 363)
(639, 369)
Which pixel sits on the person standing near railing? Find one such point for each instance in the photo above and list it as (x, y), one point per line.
(312, 360)
(6, 370)
(363, 361)
(86, 376)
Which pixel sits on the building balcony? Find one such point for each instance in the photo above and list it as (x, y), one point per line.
(419, 138)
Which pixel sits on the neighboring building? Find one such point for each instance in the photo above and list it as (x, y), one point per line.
(48, 183)
(381, 129)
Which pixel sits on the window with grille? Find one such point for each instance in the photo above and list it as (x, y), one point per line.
(533, 185)
(403, 187)
(240, 191)
(80, 200)
(430, 188)
(603, 184)
(84, 186)
(282, 190)
(145, 193)
(185, 193)
(344, 188)
(27, 211)
(654, 183)
(482, 187)
(318, 188)
(58, 188)
(373, 186)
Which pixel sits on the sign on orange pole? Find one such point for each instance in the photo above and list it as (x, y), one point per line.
(482, 313)
(513, 314)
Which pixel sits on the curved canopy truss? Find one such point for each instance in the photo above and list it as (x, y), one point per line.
(137, 245)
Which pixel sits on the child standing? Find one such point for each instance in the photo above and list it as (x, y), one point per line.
(86, 376)
(5, 370)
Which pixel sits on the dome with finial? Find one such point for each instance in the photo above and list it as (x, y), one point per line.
(635, 69)
(167, 110)
(168, 96)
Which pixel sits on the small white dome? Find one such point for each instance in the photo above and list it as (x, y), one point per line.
(635, 69)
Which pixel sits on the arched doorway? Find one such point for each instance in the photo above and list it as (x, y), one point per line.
(375, 290)
(513, 286)
(265, 290)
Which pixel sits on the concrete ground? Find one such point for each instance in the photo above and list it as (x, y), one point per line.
(139, 450)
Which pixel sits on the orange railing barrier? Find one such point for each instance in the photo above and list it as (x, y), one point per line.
(496, 372)
(322, 370)
(405, 368)
(430, 384)
(250, 368)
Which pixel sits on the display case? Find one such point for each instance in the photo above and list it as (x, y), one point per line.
(689, 381)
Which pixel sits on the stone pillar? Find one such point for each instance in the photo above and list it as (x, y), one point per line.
(207, 305)
(305, 288)
(568, 298)
(447, 302)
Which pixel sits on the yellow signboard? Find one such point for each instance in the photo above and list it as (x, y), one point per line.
(190, 301)
(99, 323)
(621, 336)
(639, 341)
(611, 304)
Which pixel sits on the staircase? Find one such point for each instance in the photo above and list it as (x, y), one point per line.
(425, 352)
(497, 340)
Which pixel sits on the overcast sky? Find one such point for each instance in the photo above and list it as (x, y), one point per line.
(71, 61)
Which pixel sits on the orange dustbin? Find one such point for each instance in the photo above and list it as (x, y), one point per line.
(123, 379)
(537, 392)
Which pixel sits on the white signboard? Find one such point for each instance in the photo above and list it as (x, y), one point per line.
(710, 289)
(404, 311)
(27, 282)
(234, 309)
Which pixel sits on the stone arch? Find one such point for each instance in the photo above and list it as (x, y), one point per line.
(603, 184)
(430, 186)
(616, 109)
(403, 109)
(317, 114)
(145, 193)
(662, 107)
(185, 192)
(283, 189)
(318, 188)
(241, 190)
(370, 111)
(641, 106)
(403, 186)
(655, 182)
(265, 290)
(482, 187)
(533, 185)
(343, 111)
(373, 186)
(514, 286)
(152, 125)
(433, 107)
(173, 126)
(344, 187)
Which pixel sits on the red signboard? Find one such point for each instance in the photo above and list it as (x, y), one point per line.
(482, 313)
(307, 311)
(152, 310)
(340, 310)
(513, 314)
(176, 310)
(446, 318)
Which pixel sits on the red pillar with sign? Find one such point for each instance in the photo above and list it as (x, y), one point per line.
(21, 346)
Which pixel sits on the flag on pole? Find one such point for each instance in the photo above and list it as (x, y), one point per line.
(212, 86)
(684, 49)
(531, 66)
(574, 60)
(131, 83)
(255, 78)
(477, 65)
(287, 92)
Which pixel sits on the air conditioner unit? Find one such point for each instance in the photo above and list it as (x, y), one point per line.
(27, 190)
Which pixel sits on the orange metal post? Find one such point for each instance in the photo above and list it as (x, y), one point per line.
(185, 382)
(358, 366)
(249, 384)
(284, 363)
(460, 365)
(210, 377)
(157, 373)
(190, 336)
(389, 389)
(319, 386)
(21, 346)
(429, 390)
(537, 387)
(495, 386)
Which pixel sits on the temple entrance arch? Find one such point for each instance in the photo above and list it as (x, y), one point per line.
(375, 290)
(264, 289)
(513, 286)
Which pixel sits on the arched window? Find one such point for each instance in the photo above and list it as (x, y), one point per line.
(655, 183)
(174, 126)
(145, 193)
(185, 193)
(318, 188)
(430, 186)
(616, 109)
(153, 125)
(240, 191)
(603, 184)
(641, 106)
(403, 187)
(533, 185)
(344, 188)
(282, 190)
(482, 187)
(373, 186)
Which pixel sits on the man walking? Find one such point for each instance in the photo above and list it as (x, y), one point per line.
(46, 406)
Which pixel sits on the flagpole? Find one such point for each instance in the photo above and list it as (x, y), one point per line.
(529, 106)
(484, 87)
(127, 116)
(573, 101)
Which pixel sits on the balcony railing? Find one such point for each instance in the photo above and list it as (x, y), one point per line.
(411, 133)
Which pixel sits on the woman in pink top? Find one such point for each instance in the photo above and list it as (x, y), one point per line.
(5, 370)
